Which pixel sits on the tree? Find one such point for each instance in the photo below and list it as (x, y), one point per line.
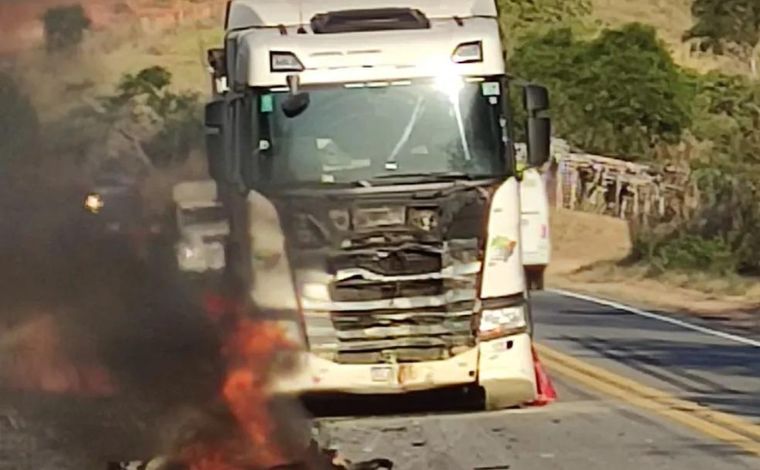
(18, 120)
(725, 24)
(727, 114)
(64, 27)
(618, 94)
(161, 126)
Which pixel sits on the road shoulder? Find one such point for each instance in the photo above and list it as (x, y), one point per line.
(587, 254)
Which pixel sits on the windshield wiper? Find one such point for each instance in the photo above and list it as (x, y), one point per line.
(294, 185)
(433, 176)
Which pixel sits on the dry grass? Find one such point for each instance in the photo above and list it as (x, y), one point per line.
(59, 83)
(671, 18)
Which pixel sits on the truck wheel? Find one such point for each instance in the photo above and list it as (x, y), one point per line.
(529, 318)
(535, 279)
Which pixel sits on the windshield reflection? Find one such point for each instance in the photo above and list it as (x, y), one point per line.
(362, 132)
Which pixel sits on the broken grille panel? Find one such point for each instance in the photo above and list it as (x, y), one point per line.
(388, 335)
(398, 262)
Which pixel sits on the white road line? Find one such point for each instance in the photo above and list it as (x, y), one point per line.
(654, 316)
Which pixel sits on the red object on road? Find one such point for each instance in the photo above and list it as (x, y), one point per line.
(546, 391)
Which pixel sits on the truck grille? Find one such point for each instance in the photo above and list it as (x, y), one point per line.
(424, 334)
(407, 304)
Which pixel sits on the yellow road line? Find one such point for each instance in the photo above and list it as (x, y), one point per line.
(722, 426)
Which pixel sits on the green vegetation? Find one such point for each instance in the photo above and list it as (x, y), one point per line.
(164, 126)
(619, 92)
(64, 27)
(521, 17)
(144, 123)
(725, 25)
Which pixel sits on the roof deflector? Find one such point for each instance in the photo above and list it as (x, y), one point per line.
(379, 19)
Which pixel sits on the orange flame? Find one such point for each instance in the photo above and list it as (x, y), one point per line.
(250, 348)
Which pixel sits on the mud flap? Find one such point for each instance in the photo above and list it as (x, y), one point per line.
(546, 391)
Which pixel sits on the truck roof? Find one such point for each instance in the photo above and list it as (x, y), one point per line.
(370, 56)
(274, 13)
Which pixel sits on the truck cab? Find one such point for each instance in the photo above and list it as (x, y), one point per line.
(364, 152)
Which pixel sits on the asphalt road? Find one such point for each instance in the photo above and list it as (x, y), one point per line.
(585, 429)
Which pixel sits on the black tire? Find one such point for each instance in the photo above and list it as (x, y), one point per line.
(538, 281)
(534, 278)
(529, 314)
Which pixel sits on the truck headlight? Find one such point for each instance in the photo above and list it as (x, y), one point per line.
(503, 321)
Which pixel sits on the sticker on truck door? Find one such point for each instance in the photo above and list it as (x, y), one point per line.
(502, 248)
(490, 88)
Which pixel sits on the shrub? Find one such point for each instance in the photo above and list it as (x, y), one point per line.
(164, 125)
(618, 94)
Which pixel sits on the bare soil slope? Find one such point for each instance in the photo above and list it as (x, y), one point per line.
(671, 18)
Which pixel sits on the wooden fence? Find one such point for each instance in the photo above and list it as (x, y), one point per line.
(619, 188)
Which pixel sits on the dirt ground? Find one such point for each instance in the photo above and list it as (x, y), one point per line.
(588, 248)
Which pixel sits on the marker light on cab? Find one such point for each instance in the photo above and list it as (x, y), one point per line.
(284, 62)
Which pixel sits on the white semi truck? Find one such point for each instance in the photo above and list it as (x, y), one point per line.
(364, 151)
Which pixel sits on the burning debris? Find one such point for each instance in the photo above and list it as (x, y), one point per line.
(265, 430)
(254, 431)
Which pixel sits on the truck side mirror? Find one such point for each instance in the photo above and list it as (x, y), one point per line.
(217, 60)
(539, 140)
(297, 101)
(294, 105)
(537, 129)
(214, 121)
(535, 99)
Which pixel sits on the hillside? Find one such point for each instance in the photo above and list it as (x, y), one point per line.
(128, 35)
(671, 18)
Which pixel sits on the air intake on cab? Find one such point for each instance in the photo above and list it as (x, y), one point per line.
(381, 19)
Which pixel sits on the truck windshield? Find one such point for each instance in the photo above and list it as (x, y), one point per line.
(375, 131)
(202, 215)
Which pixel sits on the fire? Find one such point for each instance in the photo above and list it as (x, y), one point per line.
(250, 348)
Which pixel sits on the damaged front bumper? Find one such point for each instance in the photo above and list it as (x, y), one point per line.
(503, 367)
